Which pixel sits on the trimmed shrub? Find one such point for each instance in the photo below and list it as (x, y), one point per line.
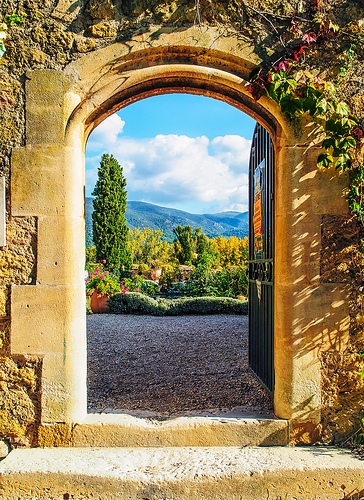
(138, 303)
(207, 305)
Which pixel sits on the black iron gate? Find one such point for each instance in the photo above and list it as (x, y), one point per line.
(261, 258)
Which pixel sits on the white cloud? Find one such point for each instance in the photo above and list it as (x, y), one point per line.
(233, 150)
(177, 170)
(107, 133)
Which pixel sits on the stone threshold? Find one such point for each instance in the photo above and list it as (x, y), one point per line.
(182, 473)
(120, 430)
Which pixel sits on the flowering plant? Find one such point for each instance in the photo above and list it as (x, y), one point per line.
(103, 281)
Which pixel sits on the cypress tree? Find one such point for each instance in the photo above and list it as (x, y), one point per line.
(110, 232)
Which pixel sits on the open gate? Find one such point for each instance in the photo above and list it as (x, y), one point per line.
(261, 258)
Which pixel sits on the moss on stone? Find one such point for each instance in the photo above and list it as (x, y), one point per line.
(9, 425)
(55, 435)
(18, 397)
(102, 30)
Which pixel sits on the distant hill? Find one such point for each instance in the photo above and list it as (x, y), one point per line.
(141, 214)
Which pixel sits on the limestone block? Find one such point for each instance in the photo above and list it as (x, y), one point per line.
(4, 449)
(48, 320)
(64, 389)
(60, 261)
(183, 473)
(66, 10)
(44, 183)
(306, 189)
(125, 430)
(44, 104)
(297, 248)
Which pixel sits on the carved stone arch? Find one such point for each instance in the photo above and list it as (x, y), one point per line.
(48, 319)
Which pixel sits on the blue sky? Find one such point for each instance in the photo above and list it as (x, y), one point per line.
(181, 151)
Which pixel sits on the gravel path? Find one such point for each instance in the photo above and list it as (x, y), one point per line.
(160, 367)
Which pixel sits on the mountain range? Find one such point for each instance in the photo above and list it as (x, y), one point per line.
(141, 214)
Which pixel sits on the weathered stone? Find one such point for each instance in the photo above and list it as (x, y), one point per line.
(125, 430)
(103, 9)
(209, 473)
(102, 30)
(66, 10)
(83, 44)
(55, 435)
(4, 449)
(9, 90)
(44, 125)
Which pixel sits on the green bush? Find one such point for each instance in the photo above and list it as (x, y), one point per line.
(205, 281)
(137, 303)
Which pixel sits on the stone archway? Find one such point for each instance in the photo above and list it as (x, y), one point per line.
(62, 108)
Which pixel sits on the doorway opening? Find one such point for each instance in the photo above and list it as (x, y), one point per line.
(187, 153)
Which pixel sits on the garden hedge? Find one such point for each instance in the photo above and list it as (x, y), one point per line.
(138, 303)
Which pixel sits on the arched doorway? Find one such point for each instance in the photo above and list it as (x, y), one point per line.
(48, 319)
(134, 364)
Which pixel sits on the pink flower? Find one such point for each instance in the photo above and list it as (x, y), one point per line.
(283, 66)
(137, 290)
(104, 261)
(309, 37)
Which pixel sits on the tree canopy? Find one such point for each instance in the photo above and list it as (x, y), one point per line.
(110, 232)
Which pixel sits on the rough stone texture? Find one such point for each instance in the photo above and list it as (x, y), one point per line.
(102, 30)
(182, 473)
(19, 403)
(18, 260)
(339, 239)
(104, 9)
(220, 429)
(60, 32)
(342, 388)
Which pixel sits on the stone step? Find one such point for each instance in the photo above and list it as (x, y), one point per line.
(113, 430)
(188, 473)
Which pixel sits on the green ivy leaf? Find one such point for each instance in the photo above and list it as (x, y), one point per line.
(325, 160)
(330, 142)
(342, 109)
(321, 106)
(349, 122)
(291, 105)
(347, 143)
(309, 105)
(332, 125)
(343, 162)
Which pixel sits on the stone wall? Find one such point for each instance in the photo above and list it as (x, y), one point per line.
(54, 34)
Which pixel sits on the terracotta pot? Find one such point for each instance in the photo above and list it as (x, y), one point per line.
(99, 302)
(155, 274)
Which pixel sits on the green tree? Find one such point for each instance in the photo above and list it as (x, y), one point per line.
(110, 232)
(184, 244)
(191, 246)
(147, 245)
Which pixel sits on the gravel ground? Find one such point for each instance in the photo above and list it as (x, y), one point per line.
(160, 367)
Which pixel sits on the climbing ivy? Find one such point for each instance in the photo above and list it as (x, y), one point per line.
(299, 92)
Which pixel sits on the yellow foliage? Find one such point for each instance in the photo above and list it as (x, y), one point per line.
(232, 252)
